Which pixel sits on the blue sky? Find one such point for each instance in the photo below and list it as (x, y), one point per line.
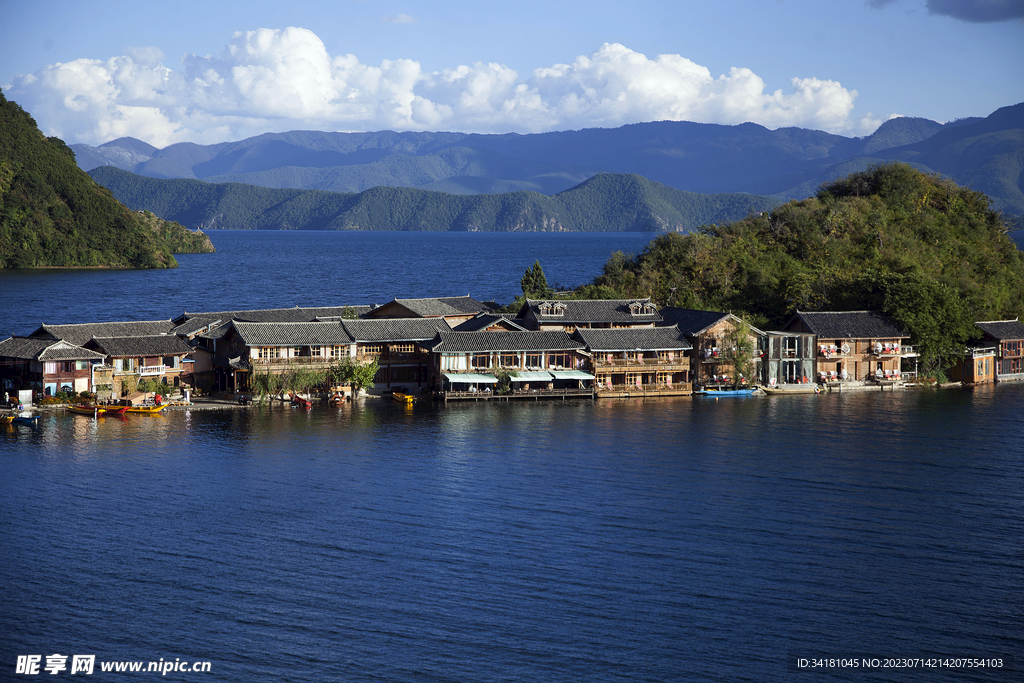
(219, 70)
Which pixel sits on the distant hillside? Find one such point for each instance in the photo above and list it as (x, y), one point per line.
(52, 214)
(788, 163)
(605, 203)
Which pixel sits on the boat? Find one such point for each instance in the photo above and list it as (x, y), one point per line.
(402, 397)
(97, 410)
(145, 409)
(301, 402)
(30, 420)
(794, 389)
(6, 419)
(727, 392)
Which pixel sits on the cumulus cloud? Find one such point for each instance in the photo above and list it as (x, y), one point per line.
(284, 79)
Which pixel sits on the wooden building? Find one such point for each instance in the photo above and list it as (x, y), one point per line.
(395, 344)
(1007, 336)
(649, 361)
(977, 366)
(46, 366)
(158, 357)
(708, 332)
(853, 346)
(516, 364)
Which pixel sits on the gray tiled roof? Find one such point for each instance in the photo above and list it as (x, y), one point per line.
(395, 329)
(189, 323)
(850, 325)
(441, 306)
(31, 348)
(691, 322)
(479, 322)
(1002, 329)
(83, 332)
(527, 340)
(642, 338)
(292, 334)
(153, 345)
(592, 311)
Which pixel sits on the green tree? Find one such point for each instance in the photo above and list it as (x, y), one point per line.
(355, 374)
(740, 347)
(534, 283)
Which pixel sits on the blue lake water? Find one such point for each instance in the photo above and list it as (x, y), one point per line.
(670, 540)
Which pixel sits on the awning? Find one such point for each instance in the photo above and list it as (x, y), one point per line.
(470, 378)
(531, 377)
(571, 374)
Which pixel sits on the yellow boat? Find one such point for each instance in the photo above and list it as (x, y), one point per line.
(146, 410)
(407, 399)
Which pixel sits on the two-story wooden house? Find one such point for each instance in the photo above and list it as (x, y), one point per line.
(1007, 336)
(708, 332)
(645, 361)
(534, 364)
(395, 344)
(46, 366)
(159, 357)
(853, 346)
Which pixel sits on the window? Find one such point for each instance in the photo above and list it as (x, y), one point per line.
(316, 351)
(560, 359)
(509, 360)
(81, 365)
(534, 360)
(268, 352)
(371, 349)
(402, 348)
(68, 366)
(481, 360)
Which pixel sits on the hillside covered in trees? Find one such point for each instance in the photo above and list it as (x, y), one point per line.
(917, 247)
(604, 203)
(52, 214)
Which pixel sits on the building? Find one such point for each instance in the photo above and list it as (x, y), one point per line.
(569, 315)
(978, 366)
(159, 357)
(852, 346)
(646, 361)
(708, 334)
(46, 366)
(1007, 336)
(514, 364)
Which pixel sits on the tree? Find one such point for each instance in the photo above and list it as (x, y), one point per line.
(534, 283)
(355, 374)
(740, 346)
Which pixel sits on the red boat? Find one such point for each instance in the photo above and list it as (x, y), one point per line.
(301, 402)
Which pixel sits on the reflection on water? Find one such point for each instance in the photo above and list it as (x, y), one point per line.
(676, 539)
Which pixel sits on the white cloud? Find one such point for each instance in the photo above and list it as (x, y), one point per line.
(284, 79)
(400, 19)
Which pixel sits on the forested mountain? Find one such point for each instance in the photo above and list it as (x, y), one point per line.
(788, 163)
(604, 203)
(52, 214)
(929, 253)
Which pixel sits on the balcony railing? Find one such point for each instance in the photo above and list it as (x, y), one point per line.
(645, 362)
(149, 370)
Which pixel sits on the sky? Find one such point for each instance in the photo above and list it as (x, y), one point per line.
(220, 70)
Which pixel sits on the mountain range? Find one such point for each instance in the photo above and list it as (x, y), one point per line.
(605, 203)
(788, 163)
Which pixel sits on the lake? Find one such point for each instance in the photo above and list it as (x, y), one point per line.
(680, 539)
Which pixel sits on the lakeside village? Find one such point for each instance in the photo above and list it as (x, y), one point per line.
(458, 348)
